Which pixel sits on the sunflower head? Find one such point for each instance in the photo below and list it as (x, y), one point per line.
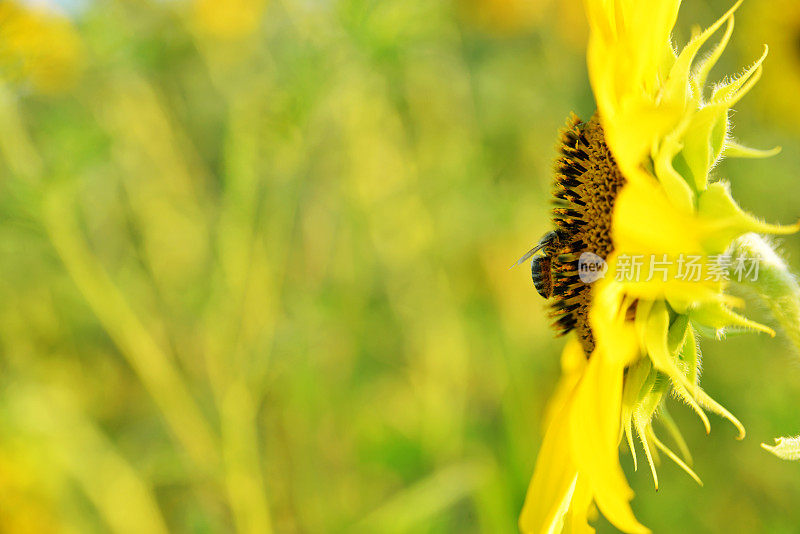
(587, 181)
(633, 188)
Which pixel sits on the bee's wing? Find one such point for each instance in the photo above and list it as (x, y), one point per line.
(528, 254)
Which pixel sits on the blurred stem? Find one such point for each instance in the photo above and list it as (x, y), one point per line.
(164, 181)
(775, 284)
(227, 341)
(240, 200)
(242, 461)
(123, 500)
(15, 143)
(152, 365)
(417, 504)
(142, 352)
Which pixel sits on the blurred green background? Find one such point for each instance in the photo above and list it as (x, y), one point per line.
(254, 267)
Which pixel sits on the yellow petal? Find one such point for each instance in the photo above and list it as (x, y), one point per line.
(576, 521)
(553, 482)
(629, 54)
(595, 413)
(646, 222)
(573, 362)
(594, 424)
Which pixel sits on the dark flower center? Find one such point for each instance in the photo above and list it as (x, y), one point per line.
(586, 184)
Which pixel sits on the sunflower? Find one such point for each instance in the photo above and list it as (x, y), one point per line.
(632, 182)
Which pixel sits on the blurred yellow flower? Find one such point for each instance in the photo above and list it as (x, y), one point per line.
(778, 91)
(27, 506)
(38, 46)
(513, 17)
(633, 182)
(228, 19)
(506, 16)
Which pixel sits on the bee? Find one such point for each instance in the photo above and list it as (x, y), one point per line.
(541, 272)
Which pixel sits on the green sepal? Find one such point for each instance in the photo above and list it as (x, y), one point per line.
(677, 333)
(678, 190)
(672, 429)
(736, 150)
(725, 220)
(785, 448)
(690, 356)
(704, 68)
(730, 93)
(707, 132)
(718, 316)
(680, 74)
(704, 141)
